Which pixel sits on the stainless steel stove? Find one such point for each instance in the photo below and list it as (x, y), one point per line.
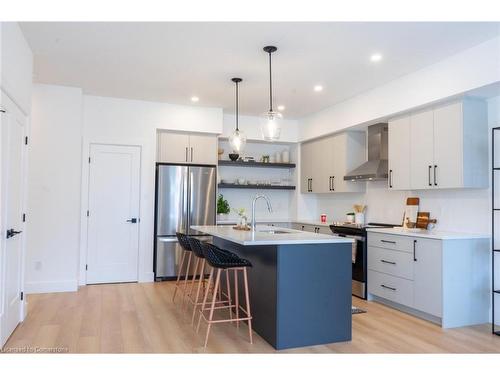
(359, 252)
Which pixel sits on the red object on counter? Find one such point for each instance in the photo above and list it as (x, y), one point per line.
(323, 218)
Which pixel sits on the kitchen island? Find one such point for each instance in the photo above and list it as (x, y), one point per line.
(300, 283)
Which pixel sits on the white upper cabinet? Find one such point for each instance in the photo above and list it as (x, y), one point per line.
(448, 147)
(203, 149)
(306, 167)
(325, 162)
(177, 147)
(421, 149)
(399, 154)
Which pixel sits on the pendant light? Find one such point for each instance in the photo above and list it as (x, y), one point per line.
(271, 126)
(238, 139)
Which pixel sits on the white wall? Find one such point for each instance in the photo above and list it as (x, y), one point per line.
(466, 210)
(65, 124)
(134, 122)
(16, 65)
(476, 67)
(53, 217)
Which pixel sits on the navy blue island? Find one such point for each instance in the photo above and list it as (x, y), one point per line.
(300, 283)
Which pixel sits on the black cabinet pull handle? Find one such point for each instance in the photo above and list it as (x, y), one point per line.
(132, 220)
(191, 154)
(387, 241)
(11, 232)
(390, 178)
(330, 183)
(414, 250)
(386, 261)
(186, 154)
(387, 287)
(435, 179)
(429, 175)
(333, 183)
(311, 185)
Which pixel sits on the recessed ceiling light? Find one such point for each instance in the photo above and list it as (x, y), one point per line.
(318, 88)
(281, 108)
(195, 99)
(376, 57)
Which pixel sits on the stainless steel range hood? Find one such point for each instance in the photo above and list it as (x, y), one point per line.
(376, 168)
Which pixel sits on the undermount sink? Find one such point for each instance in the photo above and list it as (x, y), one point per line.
(273, 231)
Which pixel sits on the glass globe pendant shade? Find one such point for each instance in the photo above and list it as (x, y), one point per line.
(271, 126)
(238, 140)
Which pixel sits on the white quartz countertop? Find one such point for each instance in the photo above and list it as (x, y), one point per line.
(433, 234)
(266, 221)
(262, 236)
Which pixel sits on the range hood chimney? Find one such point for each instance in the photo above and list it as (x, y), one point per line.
(376, 168)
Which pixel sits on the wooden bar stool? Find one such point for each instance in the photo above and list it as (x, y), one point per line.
(196, 300)
(183, 241)
(225, 260)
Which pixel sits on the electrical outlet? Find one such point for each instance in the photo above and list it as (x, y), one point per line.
(38, 266)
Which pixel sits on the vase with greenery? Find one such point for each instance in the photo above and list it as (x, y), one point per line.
(242, 222)
(223, 208)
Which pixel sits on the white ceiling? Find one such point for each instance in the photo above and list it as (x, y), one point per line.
(170, 62)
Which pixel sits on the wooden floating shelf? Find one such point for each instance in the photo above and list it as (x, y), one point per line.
(267, 187)
(254, 164)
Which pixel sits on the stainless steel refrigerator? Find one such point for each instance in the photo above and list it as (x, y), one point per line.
(185, 196)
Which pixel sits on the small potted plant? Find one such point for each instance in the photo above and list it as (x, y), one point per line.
(242, 222)
(223, 208)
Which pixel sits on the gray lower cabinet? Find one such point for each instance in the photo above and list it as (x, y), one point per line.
(442, 280)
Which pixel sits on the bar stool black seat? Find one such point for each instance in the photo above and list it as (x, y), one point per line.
(223, 260)
(186, 247)
(220, 258)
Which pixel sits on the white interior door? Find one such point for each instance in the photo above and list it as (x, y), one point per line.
(113, 221)
(13, 151)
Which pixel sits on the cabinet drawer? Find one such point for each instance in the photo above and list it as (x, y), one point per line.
(390, 287)
(395, 263)
(390, 241)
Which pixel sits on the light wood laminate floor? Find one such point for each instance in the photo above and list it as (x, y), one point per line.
(137, 318)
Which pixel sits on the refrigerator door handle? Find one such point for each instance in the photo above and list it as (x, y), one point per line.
(173, 239)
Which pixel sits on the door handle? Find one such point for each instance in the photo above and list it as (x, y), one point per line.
(132, 220)
(387, 287)
(414, 250)
(386, 261)
(191, 154)
(435, 179)
(311, 185)
(186, 154)
(330, 183)
(11, 232)
(333, 183)
(390, 179)
(429, 175)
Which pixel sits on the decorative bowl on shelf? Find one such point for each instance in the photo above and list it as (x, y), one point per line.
(234, 157)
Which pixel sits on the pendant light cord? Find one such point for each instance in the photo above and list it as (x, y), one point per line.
(270, 85)
(237, 105)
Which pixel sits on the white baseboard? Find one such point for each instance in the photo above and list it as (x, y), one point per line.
(147, 277)
(51, 286)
